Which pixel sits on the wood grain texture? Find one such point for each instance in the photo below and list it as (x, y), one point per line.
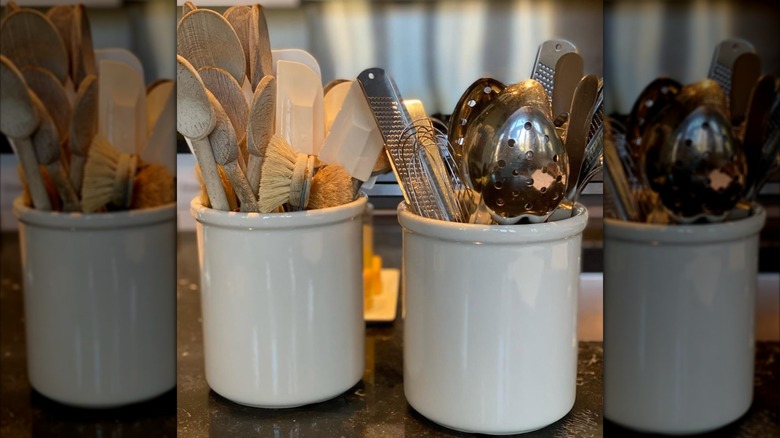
(206, 39)
(30, 39)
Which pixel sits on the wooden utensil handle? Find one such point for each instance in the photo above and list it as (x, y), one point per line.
(208, 169)
(59, 177)
(24, 150)
(241, 186)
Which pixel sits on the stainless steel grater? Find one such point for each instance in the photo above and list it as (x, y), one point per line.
(723, 62)
(546, 59)
(391, 116)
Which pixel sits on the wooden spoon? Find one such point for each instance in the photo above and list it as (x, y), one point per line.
(744, 76)
(224, 145)
(568, 73)
(83, 60)
(30, 39)
(229, 94)
(46, 143)
(205, 38)
(240, 18)
(195, 119)
(83, 127)
(52, 94)
(755, 129)
(261, 128)
(20, 119)
(261, 60)
(187, 7)
(62, 17)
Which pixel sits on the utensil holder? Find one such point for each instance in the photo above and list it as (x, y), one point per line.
(99, 304)
(490, 335)
(679, 323)
(282, 302)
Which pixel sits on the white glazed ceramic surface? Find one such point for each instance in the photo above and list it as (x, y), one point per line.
(282, 301)
(679, 323)
(100, 304)
(490, 336)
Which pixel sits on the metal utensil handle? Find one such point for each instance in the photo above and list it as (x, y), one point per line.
(546, 59)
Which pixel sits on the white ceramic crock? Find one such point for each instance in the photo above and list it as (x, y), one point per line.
(490, 336)
(99, 304)
(282, 301)
(679, 323)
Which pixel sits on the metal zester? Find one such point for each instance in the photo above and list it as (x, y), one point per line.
(546, 59)
(723, 62)
(392, 118)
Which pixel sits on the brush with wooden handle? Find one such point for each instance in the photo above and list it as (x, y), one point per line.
(120, 180)
(286, 177)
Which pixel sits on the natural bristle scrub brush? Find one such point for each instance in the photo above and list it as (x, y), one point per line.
(330, 187)
(286, 177)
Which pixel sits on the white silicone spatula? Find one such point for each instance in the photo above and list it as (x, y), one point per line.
(333, 100)
(300, 116)
(354, 140)
(121, 106)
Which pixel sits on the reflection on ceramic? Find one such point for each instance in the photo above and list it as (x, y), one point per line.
(490, 336)
(100, 304)
(679, 323)
(282, 300)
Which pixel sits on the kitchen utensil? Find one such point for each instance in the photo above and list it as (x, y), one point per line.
(205, 38)
(332, 101)
(326, 89)
(20, 119)
(121, 106)
(653, 98)
(62, 17)
(331, 186)
(354, 141)
(295, 55)
(577, 130)
(228, 92)
(224, 145)
(240, 18)
(30, 39)
(619, 202)
(120, 55)
(433, 168)
(46, 142)
(160, 147)
(755, 131)
(286, 177)
(261, 128)
(700, 170)
(299, 107)
(188, 6)
(195, 119)
(53, 95)
(568, 73)
(83, 126)
(723, 58)
(260, 58)
(546, 61)
(592, 162)
(83, 60)
(517, 163)
(392, 118)
(744, 75)
(157, 95)
(476, 97)
(108, 176)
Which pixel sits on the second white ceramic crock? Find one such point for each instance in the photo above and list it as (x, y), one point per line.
(282, 301)
(99, 304)
(490, 335)
(679, 323)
